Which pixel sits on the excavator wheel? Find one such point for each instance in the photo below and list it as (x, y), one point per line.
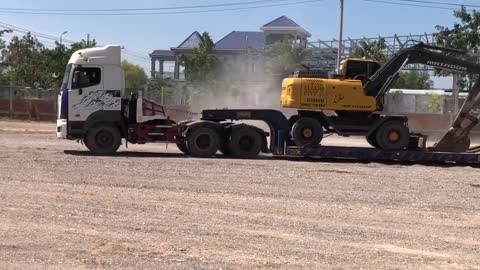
(372, 140)
(392, 135)
(307, 131)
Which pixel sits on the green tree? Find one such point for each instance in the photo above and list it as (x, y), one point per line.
(25, 60)
(3, 70)
(464, 35)
(203, 66)
(373, 50)
(284, 57)
(413, 80)
(135, 76)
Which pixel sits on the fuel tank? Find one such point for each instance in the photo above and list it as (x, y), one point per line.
(326, 94)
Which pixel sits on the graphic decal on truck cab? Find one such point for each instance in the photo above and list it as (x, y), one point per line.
(106, 100)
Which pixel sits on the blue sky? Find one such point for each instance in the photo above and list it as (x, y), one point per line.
(143, 34)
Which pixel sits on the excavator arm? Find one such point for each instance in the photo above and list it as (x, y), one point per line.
(457, 138)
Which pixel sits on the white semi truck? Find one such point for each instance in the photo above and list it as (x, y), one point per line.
(94, 110)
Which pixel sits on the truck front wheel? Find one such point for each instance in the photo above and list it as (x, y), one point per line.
(103, 139)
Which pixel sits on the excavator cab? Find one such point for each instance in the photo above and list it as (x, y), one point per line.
(358, 68)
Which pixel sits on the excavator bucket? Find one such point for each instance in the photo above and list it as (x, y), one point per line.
(457, 138)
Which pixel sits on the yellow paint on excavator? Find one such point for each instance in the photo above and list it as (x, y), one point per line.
(326, 94)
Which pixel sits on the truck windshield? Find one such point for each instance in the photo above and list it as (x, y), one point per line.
(66, 77)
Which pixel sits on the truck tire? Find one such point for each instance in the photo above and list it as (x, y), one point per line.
(182, 146)
(307, 131)
(103, 139)
(203, 142)
(392, 135)
(245, 142)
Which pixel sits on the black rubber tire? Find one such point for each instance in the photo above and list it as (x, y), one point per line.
(203, 142)
(182, 146)
(245, 142)
(383, 135)
(103, 139)
(299, 127)
(372, 140)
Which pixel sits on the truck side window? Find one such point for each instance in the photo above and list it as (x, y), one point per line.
(85, 77)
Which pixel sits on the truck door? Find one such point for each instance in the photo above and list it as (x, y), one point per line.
(86, 94)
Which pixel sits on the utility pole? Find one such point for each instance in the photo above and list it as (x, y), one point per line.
(61, 35)
(340, 38)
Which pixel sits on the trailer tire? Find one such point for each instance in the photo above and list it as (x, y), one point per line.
(103, 139)
(245, 142)
(182, 146)
(392, 135)
(203, 142)
(307, 131)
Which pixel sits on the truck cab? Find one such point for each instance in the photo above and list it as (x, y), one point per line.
(92, 91)
(94, 110)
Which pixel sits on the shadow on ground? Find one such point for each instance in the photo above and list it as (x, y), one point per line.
(269, 157)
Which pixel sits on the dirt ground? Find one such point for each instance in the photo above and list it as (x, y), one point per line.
(153, 208)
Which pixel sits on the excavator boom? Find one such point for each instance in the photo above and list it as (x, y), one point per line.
(457, 138)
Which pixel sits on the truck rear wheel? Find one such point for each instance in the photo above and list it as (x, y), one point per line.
(203, 142)
(245, 142)
(103, 139)
(307, 131)
(392, 135)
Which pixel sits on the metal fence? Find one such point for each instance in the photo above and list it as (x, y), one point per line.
(28, 103)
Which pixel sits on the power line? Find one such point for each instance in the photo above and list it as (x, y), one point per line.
(439, 3)
(146, 9)
(160, 13)
(409, 5)
(50, 37)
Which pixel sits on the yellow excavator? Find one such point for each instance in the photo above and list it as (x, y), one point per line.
(355, 100)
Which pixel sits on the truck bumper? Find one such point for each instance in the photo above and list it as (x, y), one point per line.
(62, 128)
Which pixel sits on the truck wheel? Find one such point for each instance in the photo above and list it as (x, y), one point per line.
(203, 142)
(182, 146)
(245, 142)
(392, 135)
(103, 139)
(307, 131)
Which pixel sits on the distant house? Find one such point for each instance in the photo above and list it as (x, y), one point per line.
(240, 50)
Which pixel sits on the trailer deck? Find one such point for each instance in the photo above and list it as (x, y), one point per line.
(369, 154)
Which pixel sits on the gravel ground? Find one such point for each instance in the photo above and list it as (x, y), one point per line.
(153, 208)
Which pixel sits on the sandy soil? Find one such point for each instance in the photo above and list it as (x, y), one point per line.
(153, 208)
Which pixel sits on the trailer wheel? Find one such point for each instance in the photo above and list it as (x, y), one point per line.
(245, 142)
(307, 131)
(203, 142)
(182, 146)
(392, 135)
(103, 139)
